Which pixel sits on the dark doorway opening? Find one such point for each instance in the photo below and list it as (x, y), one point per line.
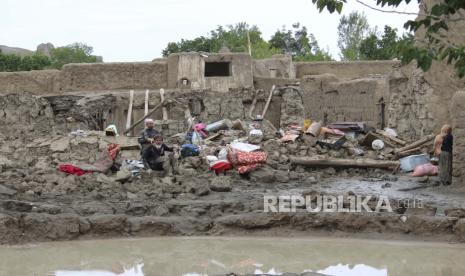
(217, 69)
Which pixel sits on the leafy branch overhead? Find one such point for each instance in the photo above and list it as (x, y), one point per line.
(432, 27)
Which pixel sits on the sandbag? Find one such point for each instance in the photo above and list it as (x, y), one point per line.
(425, 170)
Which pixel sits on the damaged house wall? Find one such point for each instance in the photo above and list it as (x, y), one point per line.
(190, 71)
(107, 76)
(329, 99)
(278, 66)
(37, 82)
(87, 77)
(345, 69)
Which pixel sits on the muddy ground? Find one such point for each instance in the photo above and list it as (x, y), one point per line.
(38, 203)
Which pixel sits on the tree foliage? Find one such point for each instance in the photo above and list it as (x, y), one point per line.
(297, 42)
(12, 62)
(73, 53)
(434, 44)
(234, 37)
(352, 29)
(383, 46)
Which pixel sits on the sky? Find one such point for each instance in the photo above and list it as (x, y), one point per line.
(138, 30)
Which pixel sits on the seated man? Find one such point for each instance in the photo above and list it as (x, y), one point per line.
(146, 137)
(154, 156)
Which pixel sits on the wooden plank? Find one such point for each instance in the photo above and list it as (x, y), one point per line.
(252, 106)
(394, 139)
(416, 144)
(268, 101)
(164, 109)
(143, 118)
(146, 102)
(343, 163)
(131, 100)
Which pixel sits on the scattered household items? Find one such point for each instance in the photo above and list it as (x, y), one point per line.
(78, 133)
(220, 125)
(409, 163)
(377, 144)
(314, 129)
(134, 166)
(188, 150)
(348, 126)
(103, 164)
(245, 147)
(334, 144)
(425, 170)
(246, 161)
(111, 131)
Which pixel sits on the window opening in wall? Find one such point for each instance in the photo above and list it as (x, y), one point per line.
(217, 69)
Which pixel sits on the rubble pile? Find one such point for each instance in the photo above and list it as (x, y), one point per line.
(225, 166)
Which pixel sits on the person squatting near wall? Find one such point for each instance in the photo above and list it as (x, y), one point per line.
(443, 148)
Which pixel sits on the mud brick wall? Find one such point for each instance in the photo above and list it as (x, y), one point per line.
(191, 66)
(346, 70)
(103, 76)
(328, 99)
(458, 129)
(411, 108)
(280, 66)
(36, 82)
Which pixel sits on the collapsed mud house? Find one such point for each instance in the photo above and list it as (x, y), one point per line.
(39, 109)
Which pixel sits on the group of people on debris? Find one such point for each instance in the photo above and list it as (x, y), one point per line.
(156, 155)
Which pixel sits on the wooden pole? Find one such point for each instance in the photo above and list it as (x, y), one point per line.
(164, 109)
(146, 103)
(416, 144)
(268, 102)
(248, 42)
(252, 106)
(392, 138)
(143, 118)
(344, 163)
(129, 118)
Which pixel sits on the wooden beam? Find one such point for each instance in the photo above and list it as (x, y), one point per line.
(268, 101)
(143, 118)
(131, 100)
(343, 163)
(252, 106)
(146, 103)
(416, 144)
(392, 138)
(164, 109)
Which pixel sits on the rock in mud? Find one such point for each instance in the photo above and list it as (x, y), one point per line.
(263, 175)
(41, 226)
(7, 191)
(60, 145)
(459, 229)
(108, 224)
(123, 175)
(9, 229)
(221, 184)
(17, 206)
(455, 212)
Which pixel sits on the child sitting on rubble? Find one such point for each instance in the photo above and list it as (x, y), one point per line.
(156, 158)
(443, 148)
